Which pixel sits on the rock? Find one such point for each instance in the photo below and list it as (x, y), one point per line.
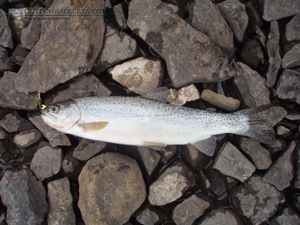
(6, 38)
(27, 138)
(220, 100)
(256, 200)
(293, 115)
(259, 155)
(60, 203)
(48, 64)
(217, 184)
(297, 170)
(261, 36)
(71, 167)
(203, 181)
(186, 94)
(255, 19)
(140, 75)
(46, 162)
(120, 16)
(147, 216)
(251, 86)
(288, 86)
(11, 98)
(297, 202)
(111, 189)
(117, 46)
(24, 197)
(171, 184)
(190, 55)
(168, 153)
(292, 57)
(31, 34)
(190, 209)
(235, 13)
(273, 48)
(278, 9)
(276, 114)
(281, 172)
(19, 55)
(12, 122)
(288, 216)
(3, 112)
(251, 53)
(193, 157)
(221, 216)
(231, 162)
(3, 134)
(278, 146)
(87, 149)
(292, 28)
(283, 131)
(5, 63)
(54, 137)
(208, 20)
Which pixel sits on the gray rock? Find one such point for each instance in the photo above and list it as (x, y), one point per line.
(276, 114)
(251, 53)
(297, 169)
(183, 95)
(168, 153)
(171, 184)
(255, 19)
(292, 32)
(231, 162)
(277, 146)
(221, 216)
(147, 216)
(235, 13)
(273, 48)
(217, 184)
(297, 202)
(3, 112)
(282, 131)
(13, 122)
(208, 20)
(203, 181)
(11, 98)
(6, 38)
(190, 209)
(256, 200)
(293, 115)
(19, 55)
(190, 55)
(54, 137)
(281, 172)
(25, 198)
(261, 36)
(120, 16)
(288, 217)
(251, 86)
(27, 138)
(278, 9)
(71, 167)
(3, 134)
(288, 86)
(5, 63)
(60, 203)
(46, 162)
(82, 41)
(31, 34)
(292, 57)
(193, 157)
(87, 149)
(111, 189)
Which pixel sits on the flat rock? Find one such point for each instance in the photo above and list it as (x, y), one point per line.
(31, 33)
(288, 217)
(87, 149)
(220, 100)
(168, 153)
(191, 57)
(235, 13)
(190, 209)
(6, 38)
(120, 16)
(111, 189)
(292, 57)
(221, 216)
(278, 9)
(140, 75)
(171, 184)
(60, 203)
(256, 200)
(292, 29)
(19, 55)
(251, 53)
(231, 162)
(288, 86)
(281, 172)
(208, 20)
(276, 114)
(297, 170)
(54, 137)
(193, 157)
(5, 63)
(71, 167)
(27, 138)
(251, 86)
(183, 95)
(217, 183)
(25, 198)
(46, 162)
(13, 122)
(11, 98)
(48, 64)
(273, 49)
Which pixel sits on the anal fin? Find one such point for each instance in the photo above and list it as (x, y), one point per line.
(206, 146)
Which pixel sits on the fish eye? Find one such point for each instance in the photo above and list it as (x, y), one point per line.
(54, 108)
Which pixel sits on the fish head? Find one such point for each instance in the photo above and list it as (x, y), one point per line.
(61, 116)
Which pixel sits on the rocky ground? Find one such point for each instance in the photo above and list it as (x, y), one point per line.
(212, 55)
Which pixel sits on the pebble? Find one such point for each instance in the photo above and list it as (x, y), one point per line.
(27, 138)
(87, 149)
(6, 37)
(221, 217)
(288, 217)
(183, 95)
(292, 57)
(292, 30)
(13, 122)
(278, 9)
(149, 215)
(283, 131)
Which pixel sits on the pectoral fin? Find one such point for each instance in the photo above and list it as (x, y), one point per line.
(94, 126)
(207, 146)
(155, 145)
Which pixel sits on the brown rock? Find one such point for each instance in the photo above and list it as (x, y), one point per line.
(27, 138)
(6, 38)
(13, 122)
(226, 216)
(186, 94)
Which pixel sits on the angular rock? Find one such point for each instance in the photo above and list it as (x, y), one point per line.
(46, 162)
(25, 198)
(288, 86)
(171, 184)
(281, 172)
(251, 86)
(3, 134)
(220, 100)
(60, 203)
(273, 48)
(276, 114)
(19, 55)
(3, 112)
(231, 162)
(261, 36)
(13, 122)
(225, 216)
(190, 209)
(27, 138)
(147, 216)
(258, 154)
(120, 16)
(186, 94)
(6, 38)
(297, 170)
(71, 167)
(288, 216)
(5, 63)
(277, 146)
(292, 32)
(255, 19)
(235, 13)
(193, 157)
(251, 53)
(283, 131)
(111, 189)
(217, 184)
(292, 57)
(190, 55)
(87, 149)
(11, 98)
(278, 9)
(208, 20)
(48, 64)
(168, 153)
(54, 137)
